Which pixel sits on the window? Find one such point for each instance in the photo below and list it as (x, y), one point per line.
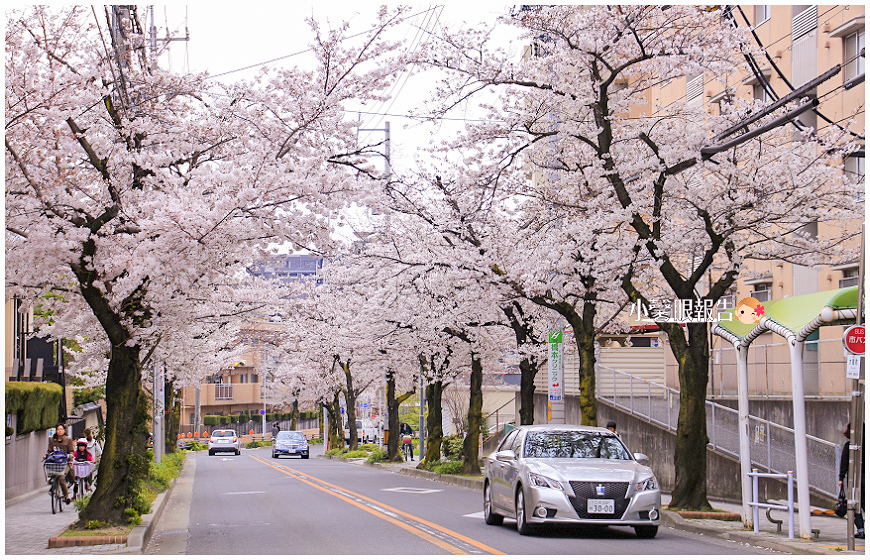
(762, 292)
(852, 59)
(850, 277)
(762, 14)
(694, 89)
(758, 92)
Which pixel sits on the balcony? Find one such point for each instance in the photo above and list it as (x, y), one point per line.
(761, 295)
(849, 281)
(223, 392)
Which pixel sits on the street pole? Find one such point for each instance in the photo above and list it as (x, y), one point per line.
(422, 424)
(856, 435)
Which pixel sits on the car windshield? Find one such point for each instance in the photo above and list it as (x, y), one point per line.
(563, 444)
(291, 436)
(223, 433)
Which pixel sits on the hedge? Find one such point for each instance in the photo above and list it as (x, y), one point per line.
(37, 405)
(211, 419)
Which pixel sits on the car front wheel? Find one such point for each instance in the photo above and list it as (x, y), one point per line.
(646, 531)
(522, 525)
(488, 516)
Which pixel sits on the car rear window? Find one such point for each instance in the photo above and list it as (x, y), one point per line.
(223, 433)
(573, 445)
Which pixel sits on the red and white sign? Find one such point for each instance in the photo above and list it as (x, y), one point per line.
(853, 339)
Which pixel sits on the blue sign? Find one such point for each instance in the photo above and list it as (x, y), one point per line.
(262, 412)
(365, 405)
(342, 409)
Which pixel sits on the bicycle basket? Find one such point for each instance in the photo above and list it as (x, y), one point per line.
(54, 469)
(83, 469)
(406, 439)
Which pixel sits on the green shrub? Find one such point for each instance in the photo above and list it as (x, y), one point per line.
(369, 446)
(244, 417)
(133, 517)
(9, 431)
(35, 404)
(377, 456)
(81, 503)
(356, 454)
(211, 420)
(450, 467)
(315, 440)
(451, 447)
(255, 444)
(334, 452)
(256, 418)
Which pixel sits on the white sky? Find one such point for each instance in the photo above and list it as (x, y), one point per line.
(228, 36)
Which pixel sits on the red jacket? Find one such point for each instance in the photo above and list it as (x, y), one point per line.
(83, 456)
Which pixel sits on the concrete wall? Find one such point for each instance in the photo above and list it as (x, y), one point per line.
(24, 463)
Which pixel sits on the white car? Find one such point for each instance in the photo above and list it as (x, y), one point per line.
(224, 440)
(560, 474)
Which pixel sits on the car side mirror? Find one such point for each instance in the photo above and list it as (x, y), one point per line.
(641, 458)
(506, 455)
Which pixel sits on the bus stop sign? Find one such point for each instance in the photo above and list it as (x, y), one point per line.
(853, 339)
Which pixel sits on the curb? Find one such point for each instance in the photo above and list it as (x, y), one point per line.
(720, 515)
(761, 539)
(136, 539)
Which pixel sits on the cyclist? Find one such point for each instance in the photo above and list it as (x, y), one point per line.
(61, 442)
(407, 433)
(83, 455)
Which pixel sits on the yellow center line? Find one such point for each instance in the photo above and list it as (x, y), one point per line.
(431, 538)
(444, 530)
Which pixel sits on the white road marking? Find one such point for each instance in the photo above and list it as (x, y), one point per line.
(478, 515)
(411, 490)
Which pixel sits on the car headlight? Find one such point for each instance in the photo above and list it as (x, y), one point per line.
(648, 484)
(544, 482)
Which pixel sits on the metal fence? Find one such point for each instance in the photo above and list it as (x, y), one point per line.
(771, 445)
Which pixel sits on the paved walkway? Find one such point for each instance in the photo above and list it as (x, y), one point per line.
(30, 523)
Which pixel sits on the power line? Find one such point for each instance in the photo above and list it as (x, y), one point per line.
(306, 50)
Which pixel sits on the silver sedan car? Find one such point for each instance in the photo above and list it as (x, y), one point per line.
(569, 474)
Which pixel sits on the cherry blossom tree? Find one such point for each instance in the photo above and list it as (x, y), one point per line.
(140, 196)
(688, 210)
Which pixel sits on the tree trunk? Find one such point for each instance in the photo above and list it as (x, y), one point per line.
(350, 402)
(294, 414)
(585, 338)
(471, 443)
(528, 371)
(336, 434)
(690, 454)
(392, 420)
(173, 417)
(529, 365)
(123, 463)
(434, 430)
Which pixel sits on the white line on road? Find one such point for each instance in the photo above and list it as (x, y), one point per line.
(411, 490)
(478, 515)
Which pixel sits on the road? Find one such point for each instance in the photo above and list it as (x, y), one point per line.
(253, 504)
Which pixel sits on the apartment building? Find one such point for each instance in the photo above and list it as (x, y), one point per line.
(800, 43)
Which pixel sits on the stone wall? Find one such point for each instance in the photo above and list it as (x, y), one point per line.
(24, 463)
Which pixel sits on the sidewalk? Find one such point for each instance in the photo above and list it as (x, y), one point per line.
(832, 529)
(30, 523)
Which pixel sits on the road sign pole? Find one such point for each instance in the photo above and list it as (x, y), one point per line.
(856, 437)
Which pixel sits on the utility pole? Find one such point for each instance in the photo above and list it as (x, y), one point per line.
(856, 435)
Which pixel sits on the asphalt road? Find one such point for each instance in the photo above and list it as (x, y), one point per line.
(253, 504)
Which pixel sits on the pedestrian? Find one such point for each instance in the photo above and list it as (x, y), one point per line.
(93, 445)
(59, 441)
(844, 479)
(611, 425)
(275, 430)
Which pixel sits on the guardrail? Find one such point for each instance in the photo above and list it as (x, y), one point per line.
(771, 444)
(789, 478)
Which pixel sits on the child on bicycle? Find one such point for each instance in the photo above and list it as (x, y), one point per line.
(81, 452)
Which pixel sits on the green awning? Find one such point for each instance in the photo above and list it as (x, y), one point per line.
(796, 312)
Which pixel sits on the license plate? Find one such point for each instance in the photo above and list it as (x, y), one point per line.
(223, 441)
(599, 506)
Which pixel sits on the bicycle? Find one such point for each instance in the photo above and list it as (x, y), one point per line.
(406, 447)
(53, 474)
(81, 471)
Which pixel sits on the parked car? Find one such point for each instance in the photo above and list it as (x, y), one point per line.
(366, 432)
(561, 474)
(224, 440)
(290, 443)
